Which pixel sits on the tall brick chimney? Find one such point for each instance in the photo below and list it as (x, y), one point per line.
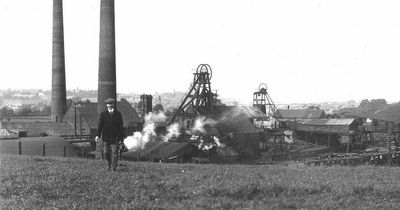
(58, 88)
(107, 76)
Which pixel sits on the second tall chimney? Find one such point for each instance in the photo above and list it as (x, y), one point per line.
(58, 89)
(107, 76)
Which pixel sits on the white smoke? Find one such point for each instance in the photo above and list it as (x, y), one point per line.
(153, 117)
(139, 139)
(199, 124)
(172, 131)
(208, 147)
(216, 140)
(204, 147)
(136, 141)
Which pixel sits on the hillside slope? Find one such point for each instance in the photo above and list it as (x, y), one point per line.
(68, 183)
(387, 112)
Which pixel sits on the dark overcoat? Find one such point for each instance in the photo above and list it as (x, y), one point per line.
(110, 126)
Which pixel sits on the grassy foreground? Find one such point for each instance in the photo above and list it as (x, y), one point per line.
(68, 183)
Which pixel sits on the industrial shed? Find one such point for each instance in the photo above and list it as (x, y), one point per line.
(334, 133)
(289, 118)
(338, 126)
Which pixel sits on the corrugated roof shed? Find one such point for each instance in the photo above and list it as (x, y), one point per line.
(337, 126)
(328, 121)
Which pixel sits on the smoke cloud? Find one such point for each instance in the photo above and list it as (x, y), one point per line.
(139, 139)
(172, 131)
(136, 141)
(216, 140)
(199, 124)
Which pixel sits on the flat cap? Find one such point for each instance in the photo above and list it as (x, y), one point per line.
(109, 101)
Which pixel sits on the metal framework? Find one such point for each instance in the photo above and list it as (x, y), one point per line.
(198, 97)
(263, 101)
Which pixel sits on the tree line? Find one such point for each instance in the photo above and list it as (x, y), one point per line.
(6, 112)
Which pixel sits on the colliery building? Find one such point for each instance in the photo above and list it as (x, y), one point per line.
(288, 116)
(337, 134)
(83, 117)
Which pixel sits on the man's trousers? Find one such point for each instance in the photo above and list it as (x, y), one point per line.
(111, 153)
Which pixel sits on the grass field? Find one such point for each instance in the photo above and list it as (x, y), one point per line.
(67, 183)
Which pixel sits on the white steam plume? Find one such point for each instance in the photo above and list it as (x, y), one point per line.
(172, 131)
(135, 141)
(152, 117)
(139, 139)
(219, 144)
(199, 125)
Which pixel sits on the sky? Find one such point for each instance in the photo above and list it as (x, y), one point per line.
(305, 51)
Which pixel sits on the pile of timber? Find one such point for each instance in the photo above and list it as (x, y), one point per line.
(354, 159)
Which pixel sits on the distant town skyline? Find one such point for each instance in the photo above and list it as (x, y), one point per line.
(305, 51)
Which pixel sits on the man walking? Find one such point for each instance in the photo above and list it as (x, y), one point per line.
(111, 130)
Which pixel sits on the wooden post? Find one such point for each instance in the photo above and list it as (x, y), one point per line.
(329, 142)
(396, 130)
(390, 153)
(273, 158)
(75, 120)
(83, 152)
(65, 152)
(44, 150)
(390, 143)
(19, 148)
